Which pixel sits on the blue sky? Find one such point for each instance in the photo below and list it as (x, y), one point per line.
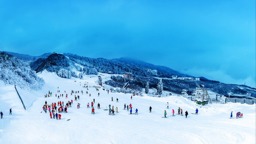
(215, 38)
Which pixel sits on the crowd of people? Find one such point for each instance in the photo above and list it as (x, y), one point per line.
(56, 109)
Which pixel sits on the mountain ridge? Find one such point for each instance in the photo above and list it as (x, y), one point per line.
(134, 73)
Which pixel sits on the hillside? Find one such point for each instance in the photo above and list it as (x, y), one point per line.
(126, 74)
(135, 74)
(18, 72)
(211, 125)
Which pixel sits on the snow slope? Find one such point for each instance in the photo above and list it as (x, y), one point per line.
(212, 125)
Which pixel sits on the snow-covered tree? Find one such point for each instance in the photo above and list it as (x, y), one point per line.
(147, 88)
(100, 80)
(80, 75)
(64, 73)
(18, 72)
(160, 87)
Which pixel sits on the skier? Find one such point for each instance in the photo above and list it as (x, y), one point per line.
(51, 115)
(2, 114)
(136, 111)
(59, 115)
(109, 111)
(231, 114)
(196, 110)
(10, 111)
(186, 114)
(93, 110)
(113, 110)
(116, 99)
(127, 107)
(150, 109)
(116, 109)
(165, 113)
(111, 98)
(98, 105)
(66, 109)
(124, 106)
(172, 112)
(78, 105)
(130, 106)
(56, 116)
(179, 111)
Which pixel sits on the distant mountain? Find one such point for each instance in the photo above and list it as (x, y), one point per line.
(134, 74)
(22, 56)
(18, 72)
(131, 74)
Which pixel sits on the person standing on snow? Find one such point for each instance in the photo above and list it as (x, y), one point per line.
(50, 114)
(196, 110)
(130, 106)
(2, 114)
(172, 112)
(113, 110)
(116, 109)
(136, 111)
(93, 110)
(165, 113)
(186, 114)
(56, 115)
(109, 111)
(150, 109)
(231, 114)
(10, 111)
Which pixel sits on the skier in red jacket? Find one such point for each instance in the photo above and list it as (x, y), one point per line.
(172, 112)
(93, 110)
(51, 115)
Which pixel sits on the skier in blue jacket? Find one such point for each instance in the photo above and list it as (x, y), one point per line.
(196, 110)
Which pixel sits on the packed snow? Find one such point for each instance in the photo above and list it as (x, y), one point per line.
(212, 125)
